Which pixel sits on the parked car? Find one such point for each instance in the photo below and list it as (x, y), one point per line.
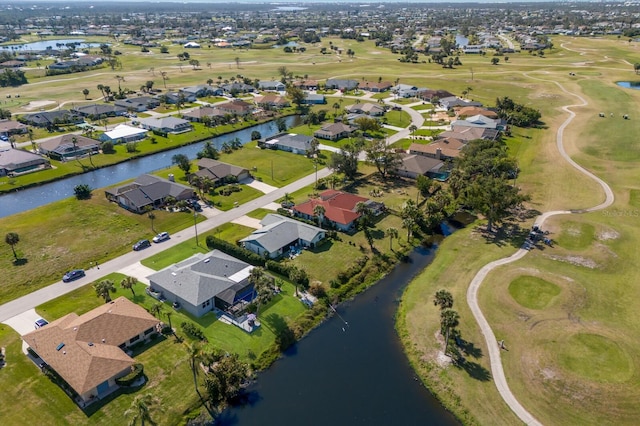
(142, 244)
(196, 205)
(161, 237)
(41, 322)
(73, 275)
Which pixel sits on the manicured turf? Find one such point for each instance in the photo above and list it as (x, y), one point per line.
(533, 292)
(576, 235)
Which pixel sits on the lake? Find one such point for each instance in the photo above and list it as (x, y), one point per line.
(629, 84)
(351, 370)
(51, 44)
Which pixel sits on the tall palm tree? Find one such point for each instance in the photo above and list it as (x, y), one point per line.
(74, 142)
(128, 283)
(104, 289)
(449, 319)
(139, 409)
(12, 239)
(392, 233)
(156, 309)
(260, 283)
(443, 298)
(195, 352)
(318, 211)
(151, 216)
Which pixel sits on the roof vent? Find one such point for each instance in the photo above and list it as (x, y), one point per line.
(60, 346)
(207, 260)
(75, 328)
(104, 340)
(90, 343)
(64, 352)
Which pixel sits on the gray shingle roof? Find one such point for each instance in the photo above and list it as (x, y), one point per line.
(279, 231)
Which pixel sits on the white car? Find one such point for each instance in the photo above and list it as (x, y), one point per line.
(161, 237)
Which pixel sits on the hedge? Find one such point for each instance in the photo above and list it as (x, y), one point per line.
(235, 251)
(136, 371)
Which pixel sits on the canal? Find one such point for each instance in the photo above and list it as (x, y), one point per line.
(29, 198)
(351, 370)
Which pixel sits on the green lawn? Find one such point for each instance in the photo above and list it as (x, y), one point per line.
(259, 213)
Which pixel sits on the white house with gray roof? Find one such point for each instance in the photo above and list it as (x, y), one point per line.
(204, 282)
(279, 233)
(166, 124)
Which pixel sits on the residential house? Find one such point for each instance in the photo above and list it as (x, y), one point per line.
(97, 111)
(431, 94)
(473, 49)
(335, 131)
(467, 134)
(148, 191)
(68, 146)
(339, 209)
(272, 101)
(367, 108)
(201, 91)
(306, 84)
(405, 90)
(314, 99)
(123, 133)
(138, 104)
(50, 119)
(17, 161)
(441, 149)
(454, 101)
(205, 282)
(412, 166)
(279, 234)
(236, 107)
(375, 87)
(10, 127)
(341, 84)
(237, 87)
(197, 115)
(166, 124)
(275, 86)
(180, 97)
(470, 111)
(220, 173)
(87, 351)
(290, 142)
(479, 121)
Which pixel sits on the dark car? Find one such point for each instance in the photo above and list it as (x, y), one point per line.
(142, 244)
(41, 322)
(196, 205)
(73, 275)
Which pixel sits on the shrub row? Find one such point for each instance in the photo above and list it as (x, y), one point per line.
(235, 251)
(136, 371)
(192, 330)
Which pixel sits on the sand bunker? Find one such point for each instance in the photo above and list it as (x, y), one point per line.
(37, 105)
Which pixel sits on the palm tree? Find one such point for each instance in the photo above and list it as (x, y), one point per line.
(74, 142)
(448, 319)
(443, 298)
(139, 409)
(260, 283)
(151, 216)
(318, 211)
(336, 107)
(412, 129)
(12, 239)
(85, 92)
(101, 89)
(392, 233)
(104, 289)
(195, 353)
(128, 283)
(156, 309)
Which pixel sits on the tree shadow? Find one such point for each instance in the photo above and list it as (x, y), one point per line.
(285, 337)
(469, 348)
(474, 370)
(20, 261)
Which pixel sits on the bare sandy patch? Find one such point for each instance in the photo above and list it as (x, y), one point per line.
(576, 260)
(608, 234)
(37, 105)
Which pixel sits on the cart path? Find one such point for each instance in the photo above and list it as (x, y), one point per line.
(497, 370)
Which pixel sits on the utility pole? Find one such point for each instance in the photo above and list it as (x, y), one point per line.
(195, 226)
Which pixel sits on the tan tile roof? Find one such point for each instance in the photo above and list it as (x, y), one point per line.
(90, 354)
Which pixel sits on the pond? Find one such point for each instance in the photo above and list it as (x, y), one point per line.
(351, 370)
(461, 41)
(629, 84)
(50, 44)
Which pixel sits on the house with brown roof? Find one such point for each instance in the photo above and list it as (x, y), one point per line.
(335, 131)
(236, 107)
(69, 146)
(376, 87)
(19, 161)
(198, 115)
(10, 127)
(412, 166)
(87, 351)
(441, 149)
(470, 111)
(339, 209)
(367, 108)
(467, 134)
(219, 172)
(272, 100)
(306, 84)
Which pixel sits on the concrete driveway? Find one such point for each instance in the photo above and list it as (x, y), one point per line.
(260, 186)
(248, 221)
(23, 323)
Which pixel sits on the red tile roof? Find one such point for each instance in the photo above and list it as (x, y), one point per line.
(339, 206)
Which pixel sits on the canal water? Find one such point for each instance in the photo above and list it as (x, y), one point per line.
(29, 198)
(351, 370)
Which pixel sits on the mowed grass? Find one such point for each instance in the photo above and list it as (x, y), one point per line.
(533, 292)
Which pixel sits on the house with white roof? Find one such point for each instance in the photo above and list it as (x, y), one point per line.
(123, 133)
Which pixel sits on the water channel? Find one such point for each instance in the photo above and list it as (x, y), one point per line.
(49, 44)
(351, 370)
(29, 198)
